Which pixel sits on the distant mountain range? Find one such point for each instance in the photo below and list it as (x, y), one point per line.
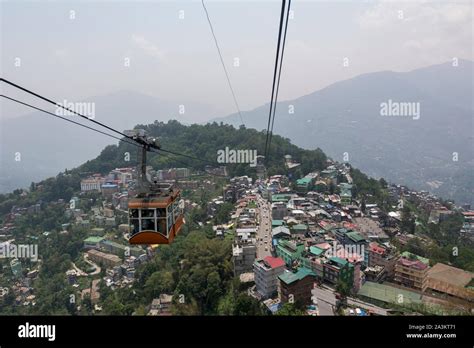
(434, 151)
(48, 145)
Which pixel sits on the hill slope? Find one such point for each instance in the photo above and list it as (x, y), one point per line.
(346, 118)
(200, 141)
(48, 145)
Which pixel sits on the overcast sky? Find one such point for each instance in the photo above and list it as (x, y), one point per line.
(175, 59)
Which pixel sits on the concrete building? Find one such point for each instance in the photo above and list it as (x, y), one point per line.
(108, 190)
(289, 251)
(91, 184)
(243, 257)
(120, 249)
(304, 185)
(161, 305)
(279, 210)
(380, 255)
(107, 260)
(337, 269)
(411, 271)
(93, 242)
(346, 193)
(296, 286)
(266, 275)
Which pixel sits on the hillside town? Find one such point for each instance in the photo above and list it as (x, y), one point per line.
(321, 247)
(307, 242)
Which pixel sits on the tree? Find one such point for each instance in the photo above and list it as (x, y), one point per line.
(158, 283)
(363, 206)
(407, 220)
(415, 246)
(289, 309)
(223, 213)
(344, 290)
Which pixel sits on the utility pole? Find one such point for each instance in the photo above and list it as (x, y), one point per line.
(147, 144)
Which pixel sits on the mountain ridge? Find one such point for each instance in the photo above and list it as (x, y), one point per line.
(344, 118)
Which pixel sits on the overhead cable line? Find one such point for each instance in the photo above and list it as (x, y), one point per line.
(127, 139)
(279, 74)
(222, 62)
(63, 107)
(66, 119)
(275, 75)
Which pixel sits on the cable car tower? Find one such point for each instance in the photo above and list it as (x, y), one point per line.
(155, 214)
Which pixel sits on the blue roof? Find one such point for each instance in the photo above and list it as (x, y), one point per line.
(109, 185)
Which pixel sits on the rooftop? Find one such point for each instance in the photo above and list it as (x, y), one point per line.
(316, 251)
(93, 239)
(277, 222)
(303, 181)
(387, 293)
(341, 262)
(376, 248)
(274, 262)
(291, 277)
(411, 256)
(451, 275)
(299, 227)
(355, 236)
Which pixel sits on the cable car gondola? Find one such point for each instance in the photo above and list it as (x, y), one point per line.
(155, 214)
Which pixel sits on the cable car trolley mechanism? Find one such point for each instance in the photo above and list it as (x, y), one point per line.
(155, 214)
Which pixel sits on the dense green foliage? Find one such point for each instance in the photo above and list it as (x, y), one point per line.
(196, 270)
(203, 142)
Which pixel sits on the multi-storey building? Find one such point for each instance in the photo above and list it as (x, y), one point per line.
(295, 287)
(411, 271)
(337, 269)
(91, 184)
(380, 255)
(266, 273)
(243, 256)
(107, 260)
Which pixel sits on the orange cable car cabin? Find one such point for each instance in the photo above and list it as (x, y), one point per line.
(156, 219)
(155, 215)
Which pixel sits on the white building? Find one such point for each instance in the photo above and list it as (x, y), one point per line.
(90, 184)
(266, 272)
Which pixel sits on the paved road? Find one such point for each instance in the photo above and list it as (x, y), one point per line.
(264, 230)
(79, 271)
(97, 268)
(325, 300)
(357, 303)
(327, 296)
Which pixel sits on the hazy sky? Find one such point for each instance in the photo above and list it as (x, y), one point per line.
(175, 59)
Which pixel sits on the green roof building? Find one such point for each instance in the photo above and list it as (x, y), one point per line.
(289, 251)
(346, 193)
(355, 237)
(316, 251)
(299, 228)
(304, 185)
(296, 286)
(120, 249)
(276, 223)
(92, 242)
(337, 269)
(281, 197)
(381, 294)
(291, 277)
